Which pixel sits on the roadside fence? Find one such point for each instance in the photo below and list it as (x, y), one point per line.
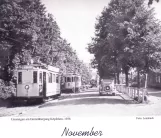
(138, 94)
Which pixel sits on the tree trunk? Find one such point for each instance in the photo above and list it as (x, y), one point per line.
(138, 78)
(115, 78)
(118, 79)
(127, 78)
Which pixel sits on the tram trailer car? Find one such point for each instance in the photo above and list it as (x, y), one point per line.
(37, 82)
(72, 82)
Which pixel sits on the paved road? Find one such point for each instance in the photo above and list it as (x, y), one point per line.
(88, 104)
(154, 92)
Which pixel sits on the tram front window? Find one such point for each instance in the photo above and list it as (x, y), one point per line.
(69, 79)
(50, 77)
(54, 79)
(40, 77)
(35, 77)
(57, 79)
(19, 77)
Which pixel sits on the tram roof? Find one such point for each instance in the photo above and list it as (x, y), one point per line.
(72, 74)
(39, 66)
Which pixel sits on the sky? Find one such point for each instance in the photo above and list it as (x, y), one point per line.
(76, 20)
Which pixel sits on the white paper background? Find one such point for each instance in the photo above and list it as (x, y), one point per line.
(111, 127)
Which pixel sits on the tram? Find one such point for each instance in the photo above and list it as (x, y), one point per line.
(72, 82)
(37, 81)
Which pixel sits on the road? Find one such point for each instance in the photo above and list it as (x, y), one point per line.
(86, 104)
(154, 92)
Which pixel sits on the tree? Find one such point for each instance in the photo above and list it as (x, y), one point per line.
(27, 31)
(151, 2)
(123, 32)
(85, 74)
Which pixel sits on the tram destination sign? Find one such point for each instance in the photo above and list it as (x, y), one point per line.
(25, 67)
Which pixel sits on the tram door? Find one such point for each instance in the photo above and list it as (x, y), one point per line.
(44, 84)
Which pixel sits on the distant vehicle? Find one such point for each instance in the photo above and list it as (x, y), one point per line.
(37, 81)
(106, 87)
(72, 83)
(85, 86)
(93, 83)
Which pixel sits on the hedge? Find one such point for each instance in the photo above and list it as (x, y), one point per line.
(7, 90)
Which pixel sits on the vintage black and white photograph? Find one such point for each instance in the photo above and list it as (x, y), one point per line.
(80, 58)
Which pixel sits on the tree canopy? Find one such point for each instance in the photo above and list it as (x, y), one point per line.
(151, 1)
(127, 35)
(28, 32)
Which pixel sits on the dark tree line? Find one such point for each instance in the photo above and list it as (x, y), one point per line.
(151, 1)
(127, 36)
(28, 32)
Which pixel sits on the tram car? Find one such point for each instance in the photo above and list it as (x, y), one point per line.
(37, 81)
(72, 83)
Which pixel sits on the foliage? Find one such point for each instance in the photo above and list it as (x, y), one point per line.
(6, 91)
(93, 82)
(28, 32)
(126, 36)
(85, 73)
(151, 2)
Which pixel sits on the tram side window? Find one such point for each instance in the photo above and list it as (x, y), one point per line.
(54, 80)
(40, 77)
(19, 77)
(69, 79)
(57, 79)
(35, 77)
(76, 78)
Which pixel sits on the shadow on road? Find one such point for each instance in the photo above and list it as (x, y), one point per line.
(78, 95)
(4, 103)
(9, 104)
